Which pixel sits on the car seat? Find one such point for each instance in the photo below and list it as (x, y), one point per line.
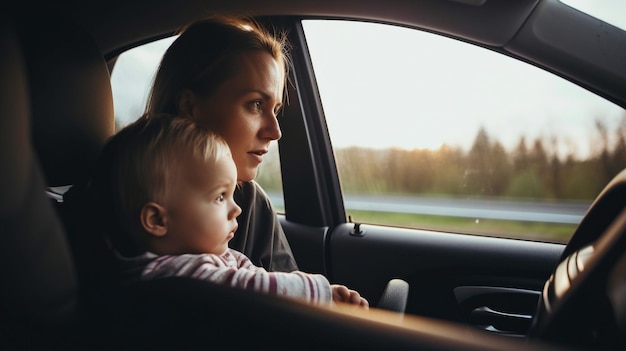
(72, 117)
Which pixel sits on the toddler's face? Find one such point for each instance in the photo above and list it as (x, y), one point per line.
(201, 210)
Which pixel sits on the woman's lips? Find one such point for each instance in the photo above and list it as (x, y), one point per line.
(258, 155)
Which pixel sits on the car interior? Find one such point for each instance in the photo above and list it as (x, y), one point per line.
(434, 291)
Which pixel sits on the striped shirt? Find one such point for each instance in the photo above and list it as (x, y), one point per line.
(235, 269)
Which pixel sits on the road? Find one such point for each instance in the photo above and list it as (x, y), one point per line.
(549, 212)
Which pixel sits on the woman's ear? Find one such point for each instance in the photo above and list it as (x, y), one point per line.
(154, 219)
(186, 100)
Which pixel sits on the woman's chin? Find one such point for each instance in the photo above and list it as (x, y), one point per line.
(247, 176)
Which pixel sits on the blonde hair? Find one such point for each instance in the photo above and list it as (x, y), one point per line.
(139, 164)
(204, 56)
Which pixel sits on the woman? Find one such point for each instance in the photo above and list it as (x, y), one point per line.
(229, 74)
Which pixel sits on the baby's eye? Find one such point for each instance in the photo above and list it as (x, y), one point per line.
(220, 198)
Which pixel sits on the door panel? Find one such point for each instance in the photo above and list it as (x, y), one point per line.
(501, 310)
(440, 268)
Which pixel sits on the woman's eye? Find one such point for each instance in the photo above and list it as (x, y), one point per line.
(255, 106)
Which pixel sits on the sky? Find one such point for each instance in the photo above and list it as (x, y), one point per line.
(132, 78)
(440, 91)
(377, 93)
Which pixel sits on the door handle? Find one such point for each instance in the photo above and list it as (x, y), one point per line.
(502, 322)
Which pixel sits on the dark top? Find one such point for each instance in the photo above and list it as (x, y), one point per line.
(260, 235)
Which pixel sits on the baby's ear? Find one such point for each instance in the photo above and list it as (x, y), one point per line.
(153, 219)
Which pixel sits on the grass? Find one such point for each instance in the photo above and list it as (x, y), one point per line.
(538, 231)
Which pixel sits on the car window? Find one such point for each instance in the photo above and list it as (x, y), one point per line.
(431, 132)
(132, 77)
(131, 80)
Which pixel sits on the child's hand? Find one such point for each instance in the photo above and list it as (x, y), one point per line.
(343, 294)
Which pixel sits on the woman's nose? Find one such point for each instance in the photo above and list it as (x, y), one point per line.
(271, 129)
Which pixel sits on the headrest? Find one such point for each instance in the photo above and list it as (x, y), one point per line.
(72, 103)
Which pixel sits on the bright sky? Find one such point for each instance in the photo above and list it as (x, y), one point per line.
(440, 91)
(378, 93)
(132, 78)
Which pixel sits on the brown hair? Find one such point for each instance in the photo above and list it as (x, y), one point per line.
(203, 57)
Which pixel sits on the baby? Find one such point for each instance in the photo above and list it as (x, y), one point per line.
(165, 190)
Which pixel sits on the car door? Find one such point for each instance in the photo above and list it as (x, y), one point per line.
(488, 276)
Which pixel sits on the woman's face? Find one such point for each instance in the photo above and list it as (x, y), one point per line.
(243, 110)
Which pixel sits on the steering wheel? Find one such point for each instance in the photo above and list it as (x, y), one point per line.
(574, 308)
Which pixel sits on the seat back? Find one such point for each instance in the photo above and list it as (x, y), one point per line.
(38, 298)
(72, 117)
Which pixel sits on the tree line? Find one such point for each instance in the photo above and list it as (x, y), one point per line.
(533, 169)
